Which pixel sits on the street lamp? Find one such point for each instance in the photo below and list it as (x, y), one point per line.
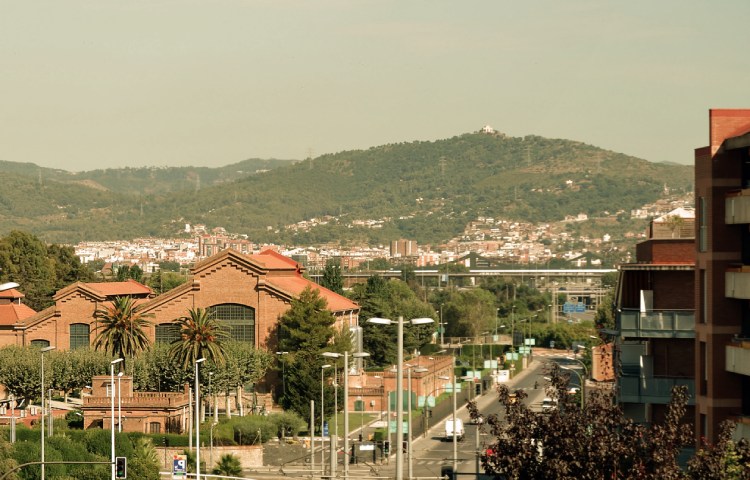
(43, 350)
(408, 421)
(213, 403)
(322, 419)
(346, 401)
(119, 403)
(582, 378)
(399, 382)
(197, 422)
(112, 409)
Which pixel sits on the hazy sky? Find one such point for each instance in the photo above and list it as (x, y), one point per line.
(91, 84)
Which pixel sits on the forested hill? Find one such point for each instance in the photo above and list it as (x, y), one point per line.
(427, 191)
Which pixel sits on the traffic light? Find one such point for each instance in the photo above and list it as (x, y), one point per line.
(386, 448)
(121, 467)
(429, 413)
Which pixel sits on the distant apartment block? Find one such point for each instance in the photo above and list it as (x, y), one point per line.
(404, 248)
(655, 315)
(722, 299)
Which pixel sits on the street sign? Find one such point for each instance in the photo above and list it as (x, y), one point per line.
(325, 429)
(581, 308)
(367, 446)
(179, 467)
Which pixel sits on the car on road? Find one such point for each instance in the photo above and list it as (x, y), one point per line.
(459, 430)
(548, 404)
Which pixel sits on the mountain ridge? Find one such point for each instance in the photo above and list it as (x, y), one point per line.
(426, 190)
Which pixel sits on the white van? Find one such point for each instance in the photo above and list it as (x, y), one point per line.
(449, 430)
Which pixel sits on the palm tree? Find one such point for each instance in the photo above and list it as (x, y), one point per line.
(228, 465)
(201, 336)
(121, 328)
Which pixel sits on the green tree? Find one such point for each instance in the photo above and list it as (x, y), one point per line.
(19, 371)
(157, 370)
(725, 460)
(228, 465)
(24, 259)
(74, 369)
(121, 329)
(201, 336)
(595, 442)
(305, 331)
(391, 299)
(7, 462)
(332, 279)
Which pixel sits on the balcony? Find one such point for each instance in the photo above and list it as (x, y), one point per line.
(738, 357)
(737, 207)
(737, 282)
(657, 323)
(652, 389)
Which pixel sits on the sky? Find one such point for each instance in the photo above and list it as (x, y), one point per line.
(91, 84)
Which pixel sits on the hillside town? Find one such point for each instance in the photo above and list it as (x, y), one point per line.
(509, 242)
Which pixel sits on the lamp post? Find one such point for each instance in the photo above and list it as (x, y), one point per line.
(455, 437)
(211, 399)
(399, 383)
(119, 403)
(43, 350)
(112, 409)
(346, 400)
(408, 421)
(197, 422)
(582, 378)
(322, 420)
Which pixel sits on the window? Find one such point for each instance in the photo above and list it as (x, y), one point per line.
(154, 427)
(703, 225)
(79, 336)
(239, 319)
(167, 333)
(40, 343)
(359, 406)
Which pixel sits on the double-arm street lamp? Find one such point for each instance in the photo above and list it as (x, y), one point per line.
(399, 382)
(346, 400)
(581, 378)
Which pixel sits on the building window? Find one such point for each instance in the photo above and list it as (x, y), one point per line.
(167, 333)
(239, 320)
(154, 427)
(359, 406)
(704, 296)
(79, 336)
(703, 224)
(40, 343)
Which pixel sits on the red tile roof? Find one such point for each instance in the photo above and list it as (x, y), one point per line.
(12, 313)
(11, 293)
(296, 284)
(111, 289)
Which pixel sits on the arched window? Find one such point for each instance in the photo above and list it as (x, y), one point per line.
(239, 319)
(79, 336)
(40, 343)
(167, 333)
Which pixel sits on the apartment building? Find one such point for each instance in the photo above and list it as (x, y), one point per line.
(722, 275)
(655, 318)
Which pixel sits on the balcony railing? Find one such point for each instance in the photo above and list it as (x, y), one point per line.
(737, 282)
(652, 389)
(737, 207)
(657, 323)
(738, 357)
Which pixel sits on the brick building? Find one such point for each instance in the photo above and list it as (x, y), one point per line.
(655, 315)
(722, 276)
(248, 293)
(148, 412)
